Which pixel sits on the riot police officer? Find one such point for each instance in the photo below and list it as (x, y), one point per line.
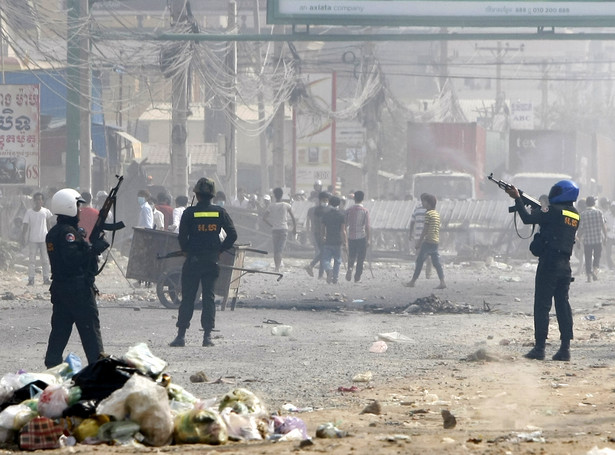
(553, 246)
(73, 267)
(199, 240)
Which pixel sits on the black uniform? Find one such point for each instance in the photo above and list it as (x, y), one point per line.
(73, 267)
(558, 227)
(199, 238)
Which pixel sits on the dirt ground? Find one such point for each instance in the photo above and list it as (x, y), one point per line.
(462, 354)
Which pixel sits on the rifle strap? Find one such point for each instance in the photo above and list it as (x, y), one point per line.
(517, 229)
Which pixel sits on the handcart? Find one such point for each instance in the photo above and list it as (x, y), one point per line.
(155, 257)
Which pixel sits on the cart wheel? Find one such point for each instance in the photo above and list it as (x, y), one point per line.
(168, 289)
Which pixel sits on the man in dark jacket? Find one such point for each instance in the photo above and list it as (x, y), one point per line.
(199, 240)
(558, 227)
(73, 268)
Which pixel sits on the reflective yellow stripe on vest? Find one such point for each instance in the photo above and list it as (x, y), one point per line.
(572, 215)
(207, 214)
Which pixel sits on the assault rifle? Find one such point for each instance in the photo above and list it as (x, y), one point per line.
(101, 224)
(527, 200)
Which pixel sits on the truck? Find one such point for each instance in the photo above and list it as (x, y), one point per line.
(444, 185)
(446, 149)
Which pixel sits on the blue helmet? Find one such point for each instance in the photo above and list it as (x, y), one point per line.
(563, 191)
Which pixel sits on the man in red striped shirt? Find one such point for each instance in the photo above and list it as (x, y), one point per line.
(357, 221)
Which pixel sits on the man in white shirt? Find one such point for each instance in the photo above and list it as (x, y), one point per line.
(34, 231)
(276, 217)
(146, 214)
(180, 205)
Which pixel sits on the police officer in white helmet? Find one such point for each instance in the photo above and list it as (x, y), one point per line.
(73, 267)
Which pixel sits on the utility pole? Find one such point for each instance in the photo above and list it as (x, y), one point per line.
(85, 103)
(371, 123)
(278, 136)
(179, 114)
(544, 86)
(500, 52)
(258, 63)
(231, 62)
(73, 60)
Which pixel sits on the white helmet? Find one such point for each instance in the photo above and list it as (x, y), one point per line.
(65, 202)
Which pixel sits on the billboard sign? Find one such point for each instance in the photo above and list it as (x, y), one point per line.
(19, 135)
(441, 13)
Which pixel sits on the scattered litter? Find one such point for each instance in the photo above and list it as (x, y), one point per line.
(604, 451)
(373, 408)
(590, 317)
(282, 330)
(434, 304)
(500, 265)
(395, 437)
(482, 356)
(289, 407)
(556, 385)
(448, 440)
(8, 296)
(510, 279)
(354, 388)
(378, 347)
(395, 337)
(271, 321)
(449, 420)
(124, 298)
(329, 430)
(288, 425)
(363, 377)
(534, 436)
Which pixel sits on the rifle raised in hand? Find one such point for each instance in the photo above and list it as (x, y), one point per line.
(527, 200)
(101, 224)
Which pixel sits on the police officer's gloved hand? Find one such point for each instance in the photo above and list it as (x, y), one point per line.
(99, 245)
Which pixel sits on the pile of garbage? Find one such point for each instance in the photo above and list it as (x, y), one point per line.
(434, 304)
(128, 401)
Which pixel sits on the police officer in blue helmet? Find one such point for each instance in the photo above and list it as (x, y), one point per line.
(553, 245)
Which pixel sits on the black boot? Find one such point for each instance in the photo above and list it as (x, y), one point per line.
(563, 354)
(180, 339)
(537, 352)
(207, 339)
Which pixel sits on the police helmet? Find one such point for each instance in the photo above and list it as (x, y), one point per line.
(66, 202)
(205, 187)
(563, 191)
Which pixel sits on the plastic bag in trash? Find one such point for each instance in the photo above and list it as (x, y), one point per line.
(200, 426)
(53, 401)
(121, 431)
(284, 425)
(143, 360)
(89, 427)
(242, 427)
(16, 416)
(74, 365)
(242, 401)
(146, 403)
(178, 393)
